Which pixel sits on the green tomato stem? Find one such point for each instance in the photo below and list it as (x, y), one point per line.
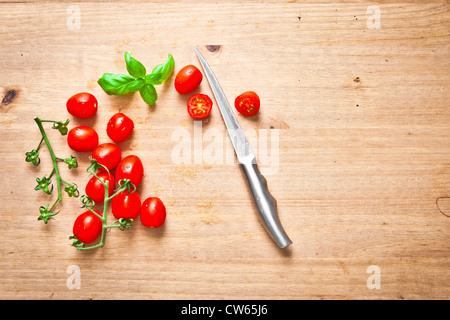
(67, 183)
(52, 154)
(51, 173)
(54, 204)
(40, 144)
(53, 121)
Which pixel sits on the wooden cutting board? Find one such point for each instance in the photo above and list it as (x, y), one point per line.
(353, 136)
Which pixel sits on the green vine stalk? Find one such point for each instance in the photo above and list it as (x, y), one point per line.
(45, 183)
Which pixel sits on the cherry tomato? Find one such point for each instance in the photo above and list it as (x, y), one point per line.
(247, 103)
(188, 79)
(107, 154)
(199, 106)
(126, 205)
(153, 212)
(82, 139)
(82, 105)
(130, 168)
(120, 127)
(95, 189)
(87, 227)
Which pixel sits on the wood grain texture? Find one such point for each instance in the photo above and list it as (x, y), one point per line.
(362, 119)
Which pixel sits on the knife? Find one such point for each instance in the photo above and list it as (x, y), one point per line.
(264, 201)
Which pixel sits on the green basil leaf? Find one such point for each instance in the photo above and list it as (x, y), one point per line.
(153, 78)
(149, 94)
(162, 72)
(134, 67)
(118, 84)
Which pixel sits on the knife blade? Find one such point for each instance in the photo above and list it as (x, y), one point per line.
(264, 201)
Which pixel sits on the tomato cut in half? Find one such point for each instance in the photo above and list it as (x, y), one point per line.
(87, 226)
(107, 154)
(188, 79)
(82, 105)
(82, 139)
(199, 106)
(247, 103)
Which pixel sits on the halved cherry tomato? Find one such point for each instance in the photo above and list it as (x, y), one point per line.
(95, 189)
(120, 127)
(82, 105)
(199, 106)
(247, 103)
(87, 227)
(188, 79)
(130, 168)
(153, 212)
(107, 154)
(82, 139)
(126, 205)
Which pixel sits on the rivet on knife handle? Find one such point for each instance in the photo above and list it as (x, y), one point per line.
(264, 201)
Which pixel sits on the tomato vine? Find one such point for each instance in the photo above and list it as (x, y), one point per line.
(88, 203)
(45, 183)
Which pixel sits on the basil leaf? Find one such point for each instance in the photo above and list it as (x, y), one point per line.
(161, 72)
(149, 94)
(118, 84)
(153, 78)
(134, 67)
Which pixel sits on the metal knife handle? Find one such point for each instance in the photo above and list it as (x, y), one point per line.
(266, 204)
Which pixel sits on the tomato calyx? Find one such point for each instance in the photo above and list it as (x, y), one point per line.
(123, 224)
(76, 243)
(96, 166)
(61, 126)
(46, 214)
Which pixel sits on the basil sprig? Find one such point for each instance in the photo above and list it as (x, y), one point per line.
(137, 79)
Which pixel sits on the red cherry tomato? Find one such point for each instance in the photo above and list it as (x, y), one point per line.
(82, 139)
(107, 154)
(120, 127)
(247, 103)
(199, 106)
(87, 227)
(153, 212)
(130, 168)
(95, 189)
(126, 205)
(82, 105)
(188, 79)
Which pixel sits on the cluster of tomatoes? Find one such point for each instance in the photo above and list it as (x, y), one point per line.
(199, 105)
(127, 204)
